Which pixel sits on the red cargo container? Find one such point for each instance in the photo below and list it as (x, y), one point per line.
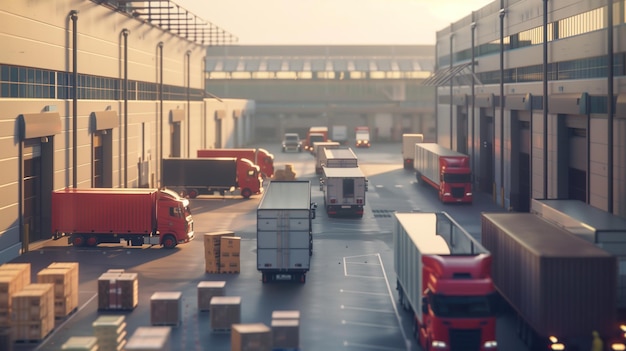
(101, 215)
(260, 157)
(561, 286)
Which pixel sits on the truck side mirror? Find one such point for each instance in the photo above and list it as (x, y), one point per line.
(313, 208)
(424, 305)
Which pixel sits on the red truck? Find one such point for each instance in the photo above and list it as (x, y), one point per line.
(446, 170)
(260, 157)
(561, 287)
(314, 135)
(197, 176)
(93, 216)
(444, 280)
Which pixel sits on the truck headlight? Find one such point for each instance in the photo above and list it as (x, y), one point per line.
(436, 344)
(618, 347)
(491, 344)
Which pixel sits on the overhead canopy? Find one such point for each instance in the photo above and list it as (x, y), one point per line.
(103, 120)
(444, 75)
(37, 125)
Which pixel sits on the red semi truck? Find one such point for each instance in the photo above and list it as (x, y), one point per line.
(446, 170)
(105, 215)
(197, 176)
(315, 134)
(444, 279)
(260, 157)
(561, 287)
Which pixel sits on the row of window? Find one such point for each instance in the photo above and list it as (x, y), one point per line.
(582, 23)
(24, 82)
(588, 68)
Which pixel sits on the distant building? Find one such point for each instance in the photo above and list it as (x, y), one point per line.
(295, 87)
(530, 134)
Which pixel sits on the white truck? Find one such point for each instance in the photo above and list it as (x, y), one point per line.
(318, 152)
(339, 157)
(339, 134)
(344, 191)
(408, 148)
(284, 231)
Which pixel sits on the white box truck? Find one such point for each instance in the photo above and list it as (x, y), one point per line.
(408, 148)
(339, 157)
(284, 231)
(344, 191)
(318, 152)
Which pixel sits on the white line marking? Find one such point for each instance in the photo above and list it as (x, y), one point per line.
(343, 307)
(361, 292)
(393, 303)
(373, 325)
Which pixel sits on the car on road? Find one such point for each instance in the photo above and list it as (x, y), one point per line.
(292, 142)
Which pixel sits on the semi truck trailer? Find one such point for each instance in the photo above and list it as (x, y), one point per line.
(561, 287)
(197, 176)
(444, 280)
(260, 157)
(319, 154)
(446, 170)
(92, 216)
(408, 148)
(344, 190)
(285, 231)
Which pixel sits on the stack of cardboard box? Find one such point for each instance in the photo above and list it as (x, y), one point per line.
(13, 278)
(118, 291)
(206, 291)
(110, 332)
(212, 243)
(32, 312)
(225, 311)
(230, 247)
(166, 308)
(286, 329)
(150, 339)
(81, 343)
(65, 280)
(251, 336)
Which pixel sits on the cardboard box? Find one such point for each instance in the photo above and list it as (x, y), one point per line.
(149, 339)
(206, 291)
(251, 337)
(230, 265)
(230, 245)
(286, 314)
(225, 311)
(285, 333)
(33, 312)
(110, 330)
(166, 308)
(118, 291)
(81, 343)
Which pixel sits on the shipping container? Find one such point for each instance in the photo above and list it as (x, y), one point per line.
(408, 148)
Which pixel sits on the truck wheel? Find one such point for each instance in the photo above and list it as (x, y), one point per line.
(78, 240)
(246, 193)
(169, 241)
(192, 193)
(92, 241)
(302, 278)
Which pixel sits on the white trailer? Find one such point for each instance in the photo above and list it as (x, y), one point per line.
(318, 152)
(343, 157)
(339, 134)
(408, 148)
(344, 191)
(284, 231)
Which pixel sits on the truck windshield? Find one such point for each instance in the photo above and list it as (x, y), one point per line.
(316, 138)
(461, 306)
(456, 178)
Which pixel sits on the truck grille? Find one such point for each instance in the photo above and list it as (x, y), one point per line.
(465, 339)
(458, 192)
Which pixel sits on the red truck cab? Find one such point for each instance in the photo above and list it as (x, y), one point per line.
(457, 306)
(249, 178)
(455, 179)
(315, 134)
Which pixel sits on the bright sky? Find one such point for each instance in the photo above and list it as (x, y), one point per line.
(333, 22)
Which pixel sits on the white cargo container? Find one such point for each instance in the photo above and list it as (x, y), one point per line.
(318, 153)
(339, 158)
(344, 190)
(284, 231)
(408, 148)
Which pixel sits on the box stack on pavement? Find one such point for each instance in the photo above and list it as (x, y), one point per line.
(65, 280)
(33, 312)
(166, 308)
(225, 311)
(110, 332)
(13, 278)
(251, 337)
(150, 339)
(206, 291)
(212, 243)
(118, 290)
(286, 329)
(74, 274)
(81, 343)
(230, 247)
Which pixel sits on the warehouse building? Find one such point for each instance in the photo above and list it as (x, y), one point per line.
(535, 93)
